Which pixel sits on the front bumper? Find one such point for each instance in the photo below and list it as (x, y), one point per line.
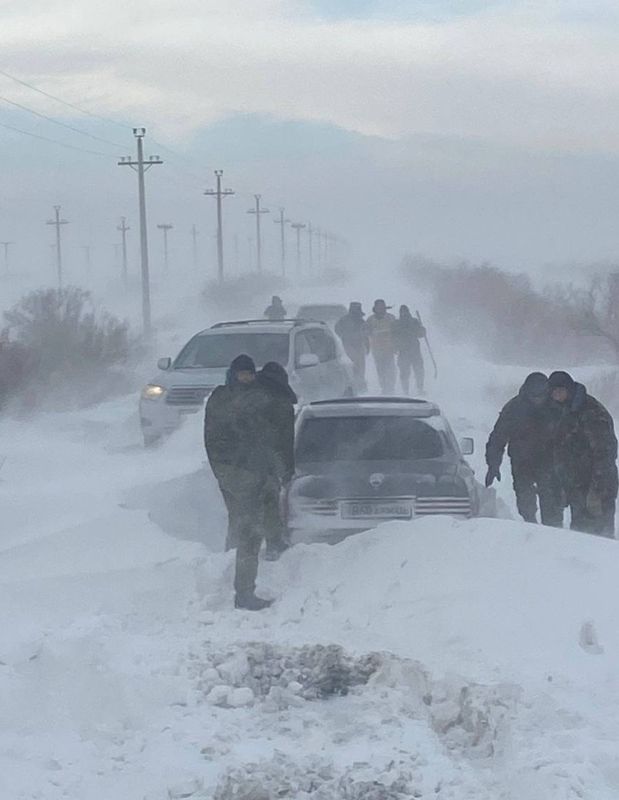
(158, 418)
(329, 520)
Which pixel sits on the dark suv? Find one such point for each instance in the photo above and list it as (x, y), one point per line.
(362, 461)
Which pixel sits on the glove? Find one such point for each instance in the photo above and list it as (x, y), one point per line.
(594, 503)
(493, 474)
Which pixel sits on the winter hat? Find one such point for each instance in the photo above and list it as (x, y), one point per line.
(355, 307)
(535, 385)
(561, 380)
(242, 363)
(381, 303)
(275, 371)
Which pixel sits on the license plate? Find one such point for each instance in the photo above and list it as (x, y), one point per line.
(372, 509)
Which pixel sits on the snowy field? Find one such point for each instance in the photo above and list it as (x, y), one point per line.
(434, 659)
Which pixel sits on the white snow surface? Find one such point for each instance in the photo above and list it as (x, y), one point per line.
(477, 659)
(124, 668)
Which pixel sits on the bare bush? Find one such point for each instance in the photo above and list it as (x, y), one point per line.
(509, 320)
(593, 311)
(67, 348)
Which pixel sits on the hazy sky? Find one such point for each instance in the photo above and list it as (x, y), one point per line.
(473, 128)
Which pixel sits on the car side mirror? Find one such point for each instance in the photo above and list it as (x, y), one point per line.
(308, 360)
(164, 363)
(467, 446)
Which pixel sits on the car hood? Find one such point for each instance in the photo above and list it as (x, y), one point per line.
(379, 478)
(190, 377)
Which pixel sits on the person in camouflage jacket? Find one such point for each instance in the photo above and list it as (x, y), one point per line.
(242, 447)
(585, 454)
(526, 426)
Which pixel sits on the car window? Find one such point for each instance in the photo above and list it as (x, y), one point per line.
(218, 350)
(321, 344)
(326, 439)
(301, 346)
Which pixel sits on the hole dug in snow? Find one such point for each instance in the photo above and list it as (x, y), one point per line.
(283, 676)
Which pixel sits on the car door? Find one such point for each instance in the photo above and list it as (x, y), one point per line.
(331, 377)
(307, 379)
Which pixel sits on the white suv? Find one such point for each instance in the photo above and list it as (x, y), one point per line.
(308, 350)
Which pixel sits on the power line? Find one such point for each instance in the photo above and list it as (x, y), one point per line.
(91, 114)
(53, 141)
(58, 122)
(63, 102)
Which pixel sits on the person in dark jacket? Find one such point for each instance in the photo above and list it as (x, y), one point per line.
(239, 444)
(586, 456)
(274, 379)
(276, 311)
(407, 331)
(526, 426)
(353, 332)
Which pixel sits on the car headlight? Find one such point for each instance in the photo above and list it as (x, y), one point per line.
(153, 392)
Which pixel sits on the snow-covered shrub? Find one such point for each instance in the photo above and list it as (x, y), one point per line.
(73, 347)
(505, 316)
(316, 779)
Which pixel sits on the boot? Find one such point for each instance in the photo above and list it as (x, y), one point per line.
(251, 603)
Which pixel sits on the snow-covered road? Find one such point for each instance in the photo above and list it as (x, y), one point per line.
(433, 659)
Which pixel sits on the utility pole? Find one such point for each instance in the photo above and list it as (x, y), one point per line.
(282, 222)
(258, 212)
(57, 222)
(86, 248)
(298, 227)
(140, 166)
(310, 250)
(123, 228)
(237, 261)
(325, 239)
(194, 245)
(219, 193)
(6, 246)
(165, 227)
(318, 235)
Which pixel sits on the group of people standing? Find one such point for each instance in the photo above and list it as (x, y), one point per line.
(391, 341)
(563, 450)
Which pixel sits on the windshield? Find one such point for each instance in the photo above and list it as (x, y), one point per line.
(219, 350)
(367, 439)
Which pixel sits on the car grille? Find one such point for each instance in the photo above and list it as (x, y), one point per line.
(423, 506)
(187, 395)
(324, 508)
(453, 506)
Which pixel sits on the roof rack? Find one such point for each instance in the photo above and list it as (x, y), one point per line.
(294, 321)
(363, 399)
